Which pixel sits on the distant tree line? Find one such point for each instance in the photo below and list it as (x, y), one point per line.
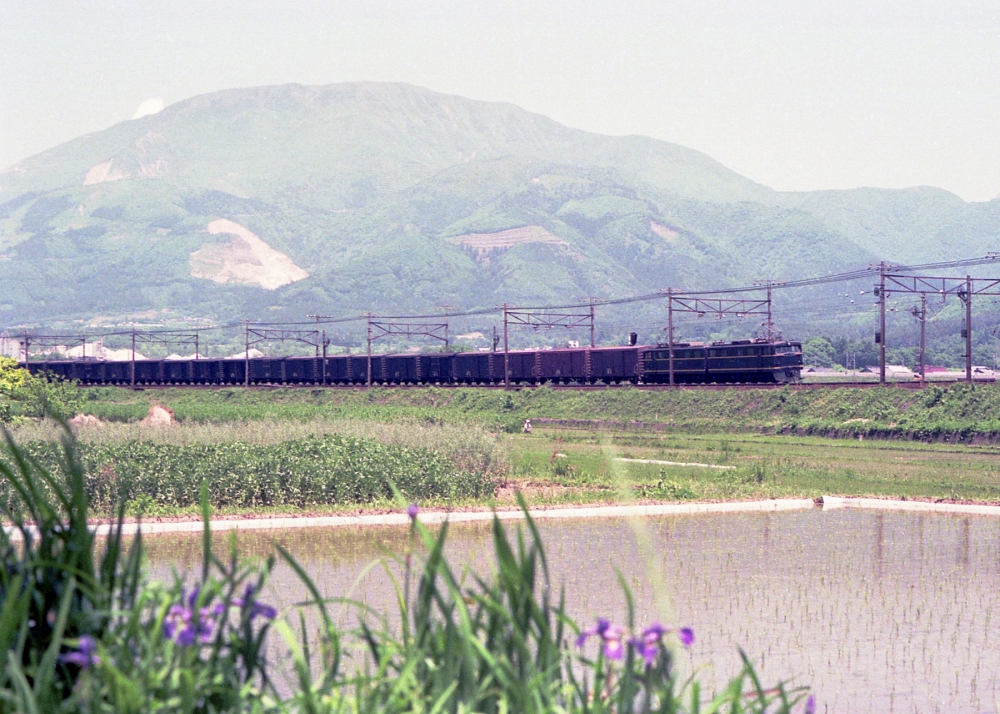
(825, 351)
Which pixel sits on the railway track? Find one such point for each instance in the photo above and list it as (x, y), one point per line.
(794, 386)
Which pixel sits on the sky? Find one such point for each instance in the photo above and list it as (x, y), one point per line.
(797, 95)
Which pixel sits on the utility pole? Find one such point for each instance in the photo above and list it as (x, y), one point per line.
(133, 358)
(506, 350)
(768, 284)
(326, 343)
(881, 322)
(968, 329)
(369, 384)
(921, 315)
(446, 308)
(923, 339)
(592, 344)
(770, 321)
(670, 331)
(246, 359)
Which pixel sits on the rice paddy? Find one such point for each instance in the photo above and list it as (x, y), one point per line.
(585, 465)
(886, 612)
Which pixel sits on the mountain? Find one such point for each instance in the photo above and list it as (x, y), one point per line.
(292, 200)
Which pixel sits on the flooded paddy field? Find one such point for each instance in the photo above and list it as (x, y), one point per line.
(877, 611)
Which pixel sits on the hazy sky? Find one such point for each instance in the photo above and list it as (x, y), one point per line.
(796, 95)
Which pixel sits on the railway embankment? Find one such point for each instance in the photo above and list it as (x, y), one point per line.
(958, 413)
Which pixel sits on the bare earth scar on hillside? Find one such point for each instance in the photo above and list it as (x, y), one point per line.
(484, 243)
(662, 230)
(105, 171)
(244, 259)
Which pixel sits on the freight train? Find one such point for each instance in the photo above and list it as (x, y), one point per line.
(741, 361)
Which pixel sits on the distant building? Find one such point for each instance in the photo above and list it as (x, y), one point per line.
(891, 370)
(10, 346)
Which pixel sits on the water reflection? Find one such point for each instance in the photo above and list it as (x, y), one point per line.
(886, 612)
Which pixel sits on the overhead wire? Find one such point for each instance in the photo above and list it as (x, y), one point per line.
(868, 272)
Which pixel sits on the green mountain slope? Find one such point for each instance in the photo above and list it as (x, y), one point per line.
(282, 201)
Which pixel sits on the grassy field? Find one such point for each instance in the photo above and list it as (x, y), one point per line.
(346, 449)
(585, 465)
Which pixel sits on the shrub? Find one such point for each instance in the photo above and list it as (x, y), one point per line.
(23, 394)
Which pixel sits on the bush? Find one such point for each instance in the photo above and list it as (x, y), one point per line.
(23, 394)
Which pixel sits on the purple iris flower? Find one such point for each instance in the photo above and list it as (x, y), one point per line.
(648, 644)
(206, 621)
(614, 648)
(653, 633)
(646, 650)
(610, 635)
(599, 629)
(181, 626)
(810, 705)
(178, 619)
(186, 637)
(257, 608)
(186, 625)
(412, 510)
(84, 656)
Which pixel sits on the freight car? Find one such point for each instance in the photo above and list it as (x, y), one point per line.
(744, 361)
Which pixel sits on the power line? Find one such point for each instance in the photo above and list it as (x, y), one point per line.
(868, 272)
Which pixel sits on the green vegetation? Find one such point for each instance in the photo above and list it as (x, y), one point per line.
(268, 451)
(277, 466)
(584, 466)
(24, 396)
(84, 631)
(957, 413)
(301, 473)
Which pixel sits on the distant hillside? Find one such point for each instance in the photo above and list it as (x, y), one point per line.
(287, 200)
